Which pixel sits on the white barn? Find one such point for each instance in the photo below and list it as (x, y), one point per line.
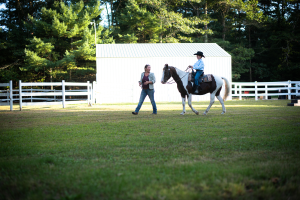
(119, 67)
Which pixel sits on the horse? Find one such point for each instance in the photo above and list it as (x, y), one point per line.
(185, 87)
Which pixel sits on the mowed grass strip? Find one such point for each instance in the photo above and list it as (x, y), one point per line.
(105, 152)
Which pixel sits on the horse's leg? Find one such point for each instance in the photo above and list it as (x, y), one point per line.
(183, 106)
(190, 104)
(222, 102)
(212, 100)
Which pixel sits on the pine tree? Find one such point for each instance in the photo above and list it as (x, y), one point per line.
(139, 25)
(280, 39)
(156, 21)
(64, 42)
(13, 36)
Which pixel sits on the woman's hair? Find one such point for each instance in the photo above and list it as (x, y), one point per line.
(146, 66)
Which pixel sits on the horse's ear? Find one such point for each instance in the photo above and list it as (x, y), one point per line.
(166, 65)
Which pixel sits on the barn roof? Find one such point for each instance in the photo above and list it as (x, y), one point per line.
(159, 50)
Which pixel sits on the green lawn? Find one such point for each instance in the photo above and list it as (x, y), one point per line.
(105, 152)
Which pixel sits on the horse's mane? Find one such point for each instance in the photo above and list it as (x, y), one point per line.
(180, 85)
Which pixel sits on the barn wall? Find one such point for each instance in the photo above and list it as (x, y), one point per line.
(118, 77)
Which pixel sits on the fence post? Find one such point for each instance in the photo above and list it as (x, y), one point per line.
(93, 92)
(63, 92)
(31, 94)
(240, 92)
(20, 94)
(289, 90)
(11, 95)
(89, 94)
(266, 92)
(54, 96)
(7, 94)
(256, 90)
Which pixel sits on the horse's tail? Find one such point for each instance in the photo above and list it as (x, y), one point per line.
(227, 89)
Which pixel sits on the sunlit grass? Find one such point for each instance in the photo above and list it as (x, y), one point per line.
(105, 152)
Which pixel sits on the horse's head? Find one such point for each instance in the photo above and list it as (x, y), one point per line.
(166, 74)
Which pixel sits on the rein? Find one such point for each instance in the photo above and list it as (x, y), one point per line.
(175, 81)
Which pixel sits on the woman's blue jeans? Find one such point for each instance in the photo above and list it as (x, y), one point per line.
(144, 93)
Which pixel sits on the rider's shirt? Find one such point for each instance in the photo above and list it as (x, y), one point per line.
(199, 65)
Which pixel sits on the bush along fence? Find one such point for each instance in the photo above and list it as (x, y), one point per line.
(38, 94)
(265, 90)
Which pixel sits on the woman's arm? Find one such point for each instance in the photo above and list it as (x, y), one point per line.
(152, 78)
(141, 80)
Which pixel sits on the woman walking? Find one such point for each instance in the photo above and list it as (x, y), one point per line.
(147, 80)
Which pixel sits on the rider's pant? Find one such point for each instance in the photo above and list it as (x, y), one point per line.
(198, 74)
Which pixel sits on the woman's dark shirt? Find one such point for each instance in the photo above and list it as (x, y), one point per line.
(145, 78)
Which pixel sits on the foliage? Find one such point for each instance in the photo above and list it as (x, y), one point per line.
(157, 21)
(262, 36)
(14, 34)
(68, 39)
(62, 40)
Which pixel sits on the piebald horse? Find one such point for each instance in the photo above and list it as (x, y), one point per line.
(185, 87)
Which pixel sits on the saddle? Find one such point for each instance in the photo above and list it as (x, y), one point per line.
(204, 78)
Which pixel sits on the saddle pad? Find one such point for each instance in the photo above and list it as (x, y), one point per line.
(207, 78)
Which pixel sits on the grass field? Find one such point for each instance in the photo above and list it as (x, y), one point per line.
(105, 152)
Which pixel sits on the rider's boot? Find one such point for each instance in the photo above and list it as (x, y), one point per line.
(199, 82)
(199, 88)
(194, 88)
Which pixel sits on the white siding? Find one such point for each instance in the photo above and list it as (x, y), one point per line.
(117, 77)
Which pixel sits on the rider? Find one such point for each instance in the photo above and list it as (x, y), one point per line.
(199, 67)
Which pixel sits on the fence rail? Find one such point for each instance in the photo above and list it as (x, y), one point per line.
(63, 93)
(239, 89)
(8, 94)
(45, 96)
(265, 89)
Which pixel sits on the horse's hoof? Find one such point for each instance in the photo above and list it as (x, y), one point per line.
(197, 113)
(204, 113)
(222, 113)
(182, 113)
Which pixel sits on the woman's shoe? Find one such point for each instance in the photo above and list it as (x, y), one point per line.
(134, 113)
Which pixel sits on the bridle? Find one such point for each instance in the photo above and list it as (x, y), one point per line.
(175, 81)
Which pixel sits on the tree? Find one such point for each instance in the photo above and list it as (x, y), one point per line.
(160, 21)
(278, 44)
(62, 42)
(14, 34)
(137, 24)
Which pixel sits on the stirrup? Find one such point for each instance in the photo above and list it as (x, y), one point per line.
(194, 88)
(199, 87)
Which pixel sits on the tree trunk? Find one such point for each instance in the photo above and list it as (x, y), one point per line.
(205, 26)
(198, 13)
(250, 70)
(108, 18)
(160, 35)
(224, 28)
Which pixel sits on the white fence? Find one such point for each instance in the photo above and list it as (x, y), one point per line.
(63, 93)
(265, 89)
(8, 94)
(57, 97)
(29, 97)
